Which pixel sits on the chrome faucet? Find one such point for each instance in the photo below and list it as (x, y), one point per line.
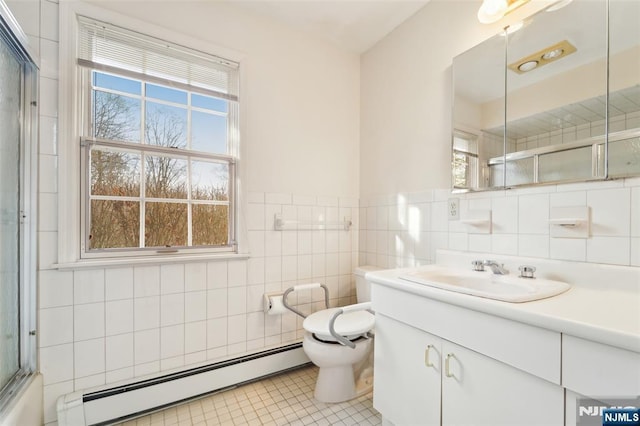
(496, 268)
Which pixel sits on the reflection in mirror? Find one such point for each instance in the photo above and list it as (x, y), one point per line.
(624, 84)
(556, 95)
(479, 79)
(546, 111)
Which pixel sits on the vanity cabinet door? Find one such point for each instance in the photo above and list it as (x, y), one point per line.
(407, 370)
(477, 390)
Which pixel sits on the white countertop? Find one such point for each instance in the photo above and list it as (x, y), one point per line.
(608, 314)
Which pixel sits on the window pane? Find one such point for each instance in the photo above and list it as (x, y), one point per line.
(210, 225)
(165, 125)
(114, 224)
(10, 229)
(165, 177)
(120, 84)
(115, 173)
(624, 157)
(166, 94)
(208, 132)
(165, 224)
(574, 164)
(209, 181)
(520, 172)
(208, 102)
(116, 117)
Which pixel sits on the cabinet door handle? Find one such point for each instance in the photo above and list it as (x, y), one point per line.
(426, 356)
(447, 371)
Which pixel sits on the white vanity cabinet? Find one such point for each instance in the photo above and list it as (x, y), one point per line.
(439, 364)
(422, 379)
(546, 362)
(483, 391)
(407, 373)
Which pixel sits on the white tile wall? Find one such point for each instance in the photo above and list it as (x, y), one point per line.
(127, 322)
(118, 283)
(146, 281)
(89, 357)
(56, 363)
(55, 289)
(520, 224)
(88, 321)
(118, 317)
(635, 251)
(610, 212)
(119, 351)
(171, 279)
(88, 286)
(146, 346)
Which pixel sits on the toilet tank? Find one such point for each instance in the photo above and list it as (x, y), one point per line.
(363, 287)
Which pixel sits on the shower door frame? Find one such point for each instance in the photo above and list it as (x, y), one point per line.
(12, 34)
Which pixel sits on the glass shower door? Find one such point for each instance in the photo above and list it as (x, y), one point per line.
(10, 135)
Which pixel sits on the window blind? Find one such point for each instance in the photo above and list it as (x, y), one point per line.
(110, 48)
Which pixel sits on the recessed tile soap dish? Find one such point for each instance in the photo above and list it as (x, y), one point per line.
(478, 220)
(570, 222)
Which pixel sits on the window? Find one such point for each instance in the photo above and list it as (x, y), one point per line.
(465, 160)
(159, 145)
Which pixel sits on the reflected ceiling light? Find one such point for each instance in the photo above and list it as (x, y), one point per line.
(528, 66)
(493, 10)
(543, 57)
(552, 54)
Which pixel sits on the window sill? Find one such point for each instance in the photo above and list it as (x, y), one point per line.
(147, 260)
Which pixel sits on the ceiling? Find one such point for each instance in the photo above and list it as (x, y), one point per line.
(355, 25)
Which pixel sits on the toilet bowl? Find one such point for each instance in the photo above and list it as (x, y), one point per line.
(345, 358)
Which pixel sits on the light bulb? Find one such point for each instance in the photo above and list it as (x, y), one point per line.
(552, 54)
(492, 10)
(528, 66)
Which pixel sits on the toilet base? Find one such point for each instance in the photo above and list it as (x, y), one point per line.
(335, 384)
(342, 373)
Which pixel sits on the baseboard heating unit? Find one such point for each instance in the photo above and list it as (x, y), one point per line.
(110, 405)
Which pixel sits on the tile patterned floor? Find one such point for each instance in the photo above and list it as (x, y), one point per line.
(286, 399)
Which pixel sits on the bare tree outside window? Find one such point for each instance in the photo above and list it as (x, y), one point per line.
(178, 200)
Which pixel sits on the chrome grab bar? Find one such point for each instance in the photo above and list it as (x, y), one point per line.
(304, 287)
(345, 310)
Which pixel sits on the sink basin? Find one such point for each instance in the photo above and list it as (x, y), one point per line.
(508, 288)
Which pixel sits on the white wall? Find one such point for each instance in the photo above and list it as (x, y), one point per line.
(302, 95)
(406, 96)
(405, 161)
(406, 91)
(300, 137)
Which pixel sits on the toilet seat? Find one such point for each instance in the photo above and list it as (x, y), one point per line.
(351, 325)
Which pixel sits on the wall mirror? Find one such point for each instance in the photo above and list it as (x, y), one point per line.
(546, 101)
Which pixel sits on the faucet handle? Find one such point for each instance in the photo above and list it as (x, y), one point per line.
(527, 271)
(478, 265)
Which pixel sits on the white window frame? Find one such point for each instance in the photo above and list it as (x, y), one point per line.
(87, 142)
(71, 109)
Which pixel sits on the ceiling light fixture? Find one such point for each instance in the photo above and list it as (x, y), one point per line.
(543, 57)
(493, 10)
(528, 66)
(552, 54)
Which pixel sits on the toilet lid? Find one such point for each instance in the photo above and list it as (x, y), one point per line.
(351, 324)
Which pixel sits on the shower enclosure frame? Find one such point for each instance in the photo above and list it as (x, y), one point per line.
(12, 35)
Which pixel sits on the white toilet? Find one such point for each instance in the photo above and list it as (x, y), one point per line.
(345, 372)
